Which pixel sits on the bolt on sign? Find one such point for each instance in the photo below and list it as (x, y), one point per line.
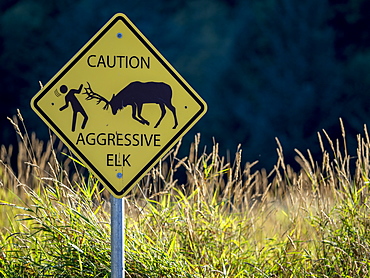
(119, 105)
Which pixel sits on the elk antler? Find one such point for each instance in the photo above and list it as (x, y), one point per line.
(91, 95)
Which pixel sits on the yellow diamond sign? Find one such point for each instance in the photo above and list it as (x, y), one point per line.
(119, 105)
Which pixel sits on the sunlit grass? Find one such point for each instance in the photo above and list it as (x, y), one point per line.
(228, 220)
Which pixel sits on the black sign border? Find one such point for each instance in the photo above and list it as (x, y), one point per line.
(163, 151)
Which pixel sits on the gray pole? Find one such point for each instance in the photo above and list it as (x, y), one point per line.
(117, 237)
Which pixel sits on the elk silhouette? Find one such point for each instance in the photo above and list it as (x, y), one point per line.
(136, 94)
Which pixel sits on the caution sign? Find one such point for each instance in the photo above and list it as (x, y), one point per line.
(119, 105)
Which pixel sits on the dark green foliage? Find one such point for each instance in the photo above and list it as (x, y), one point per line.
(269, 68)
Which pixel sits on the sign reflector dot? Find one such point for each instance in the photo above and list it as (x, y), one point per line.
(119, 35)
(119, 175)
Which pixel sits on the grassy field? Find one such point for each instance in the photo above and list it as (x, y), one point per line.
(227, 220)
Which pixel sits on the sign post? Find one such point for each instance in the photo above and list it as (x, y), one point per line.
(119, 106)
(117, 237)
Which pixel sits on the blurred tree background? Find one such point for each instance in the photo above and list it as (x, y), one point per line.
(266, 68)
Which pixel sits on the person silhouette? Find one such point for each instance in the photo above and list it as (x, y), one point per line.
(71, 98)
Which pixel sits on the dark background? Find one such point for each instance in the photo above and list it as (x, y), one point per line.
(266, 68)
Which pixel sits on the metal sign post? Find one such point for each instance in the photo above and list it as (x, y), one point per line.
(117, 237)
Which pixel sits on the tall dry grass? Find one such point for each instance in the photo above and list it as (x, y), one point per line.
(228, 219)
